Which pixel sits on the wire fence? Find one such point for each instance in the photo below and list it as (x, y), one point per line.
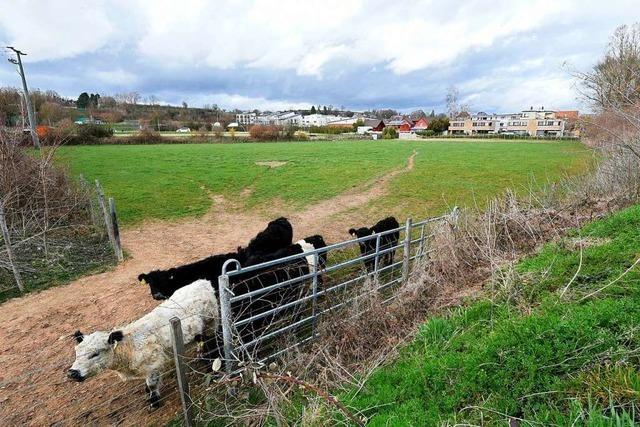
(82, 237)
(266, 311)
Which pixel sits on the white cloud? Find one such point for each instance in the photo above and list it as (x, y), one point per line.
(116, 76)
(500, 53)
(231, 101)
(553, 91)
(305, 36)
(49, 30)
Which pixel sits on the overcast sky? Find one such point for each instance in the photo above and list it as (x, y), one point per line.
(502, 55)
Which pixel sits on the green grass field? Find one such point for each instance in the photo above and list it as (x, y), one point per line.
(172, 181)
(534, 356)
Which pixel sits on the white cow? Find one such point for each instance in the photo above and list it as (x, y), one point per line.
(142, 349)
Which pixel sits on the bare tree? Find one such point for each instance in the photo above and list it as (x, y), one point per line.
(454, 107)
(613, 88)
(614, 81)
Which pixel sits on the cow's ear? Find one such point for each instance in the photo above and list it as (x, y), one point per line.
(79, 336)
(115, 336)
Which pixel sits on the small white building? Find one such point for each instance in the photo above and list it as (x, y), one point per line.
(318, 120)
(343, 121)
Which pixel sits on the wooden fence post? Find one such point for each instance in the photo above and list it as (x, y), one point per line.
(105, 212)
(115, 229)
(85, 187)
(406, 256)
(181, 373)
(7, 243)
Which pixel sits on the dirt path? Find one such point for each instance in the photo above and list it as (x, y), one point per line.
(35, 344)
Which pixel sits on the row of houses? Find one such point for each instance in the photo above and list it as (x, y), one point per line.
(530, 122)
(290, 118)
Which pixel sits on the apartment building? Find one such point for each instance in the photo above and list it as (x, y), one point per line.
(244, 119)
(530, 122)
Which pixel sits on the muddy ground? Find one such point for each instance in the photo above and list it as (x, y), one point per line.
(36, 347)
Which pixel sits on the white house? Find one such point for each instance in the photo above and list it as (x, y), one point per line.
(318, 120)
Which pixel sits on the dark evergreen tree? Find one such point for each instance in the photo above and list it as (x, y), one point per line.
(83, 100)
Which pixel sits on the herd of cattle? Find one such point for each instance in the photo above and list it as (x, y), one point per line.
(141, 349)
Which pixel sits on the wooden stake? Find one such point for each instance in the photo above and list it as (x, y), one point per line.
(181, 373)
(115, 229)
(7, 243)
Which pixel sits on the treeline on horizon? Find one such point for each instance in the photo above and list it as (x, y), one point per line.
(135, 111)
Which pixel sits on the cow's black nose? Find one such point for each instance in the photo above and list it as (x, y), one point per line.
(74, 374)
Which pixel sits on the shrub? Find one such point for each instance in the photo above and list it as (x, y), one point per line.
(332, 130)
(89, 131)
(73, 134)
(145, 137)
(389, 133)
(265, 132)
(439, 125)
(427, 132)
(301, 135)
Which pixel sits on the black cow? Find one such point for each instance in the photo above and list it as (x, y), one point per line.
(163, 283)
(277, 235)
(368, 247)
(268, 276)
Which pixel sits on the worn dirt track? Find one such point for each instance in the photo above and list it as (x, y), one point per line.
(35, 339)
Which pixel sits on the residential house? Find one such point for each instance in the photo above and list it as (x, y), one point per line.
(318, 119)
(246, 119)
(421, 124)
(288, 118)
(415, 116)
(376, 124)
(343, 122)
(400, 123)
(528, 122)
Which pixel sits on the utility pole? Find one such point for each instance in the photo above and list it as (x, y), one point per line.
(27, 99)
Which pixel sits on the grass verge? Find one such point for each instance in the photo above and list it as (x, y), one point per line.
(535, 349)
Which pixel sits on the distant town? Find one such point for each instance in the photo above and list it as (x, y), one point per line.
(129, 113)
(532, 122)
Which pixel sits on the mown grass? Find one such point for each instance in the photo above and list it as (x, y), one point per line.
(525, 352)
(173, 181)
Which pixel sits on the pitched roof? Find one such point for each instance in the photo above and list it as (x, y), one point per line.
(398, 122)
(417, 115)
(373, 122)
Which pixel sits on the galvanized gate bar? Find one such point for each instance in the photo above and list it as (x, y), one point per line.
(226, 320)
(314, 290)
(377, 260)
(407, 248)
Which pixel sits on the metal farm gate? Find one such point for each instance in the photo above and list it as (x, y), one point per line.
(283, 310)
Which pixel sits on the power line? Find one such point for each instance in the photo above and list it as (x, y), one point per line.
(32, 122)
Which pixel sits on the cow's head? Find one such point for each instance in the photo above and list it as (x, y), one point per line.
(160, 283)
(363, 232)
(94, 353)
